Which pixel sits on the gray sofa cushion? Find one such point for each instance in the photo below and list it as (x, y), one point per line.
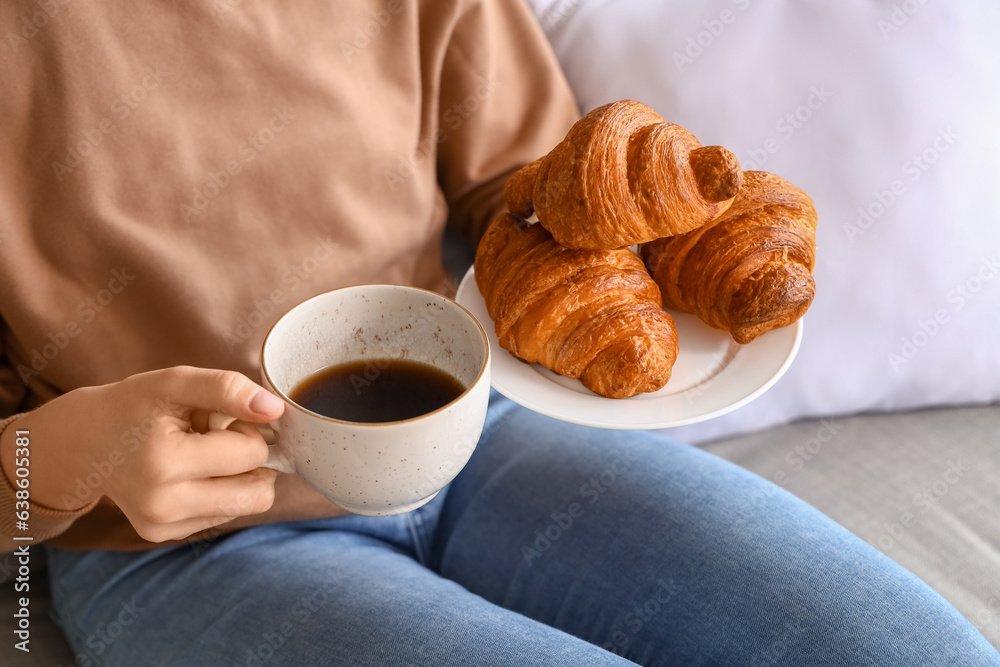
(920, 486)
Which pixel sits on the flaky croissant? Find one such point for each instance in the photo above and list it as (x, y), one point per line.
(588, 314)
(623, 175)
(750, 270)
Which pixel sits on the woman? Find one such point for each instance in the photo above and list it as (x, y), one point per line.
(175, 178)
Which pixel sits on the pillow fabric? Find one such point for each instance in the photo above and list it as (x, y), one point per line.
(886, 114)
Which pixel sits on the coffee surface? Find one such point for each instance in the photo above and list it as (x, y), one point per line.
(376, 390)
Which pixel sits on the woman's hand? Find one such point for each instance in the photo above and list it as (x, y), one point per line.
(144, 442)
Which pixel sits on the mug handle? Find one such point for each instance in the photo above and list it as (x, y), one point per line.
(276, 459)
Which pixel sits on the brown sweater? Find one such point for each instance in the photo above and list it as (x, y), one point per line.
(174, 176)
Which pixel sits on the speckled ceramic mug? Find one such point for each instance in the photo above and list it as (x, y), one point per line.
(377, 468)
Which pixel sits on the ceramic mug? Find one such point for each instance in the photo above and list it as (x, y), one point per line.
(377, 468)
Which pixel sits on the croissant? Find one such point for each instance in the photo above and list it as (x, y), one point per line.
(589, 314)
(750, 270)
(623, 175)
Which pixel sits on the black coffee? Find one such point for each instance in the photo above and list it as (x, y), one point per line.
(376, 390)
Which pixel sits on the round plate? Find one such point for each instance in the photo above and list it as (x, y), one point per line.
(713, 375)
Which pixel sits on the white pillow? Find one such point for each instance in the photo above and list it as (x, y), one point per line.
(888, 115)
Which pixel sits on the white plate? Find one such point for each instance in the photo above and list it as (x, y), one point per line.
(713, 375)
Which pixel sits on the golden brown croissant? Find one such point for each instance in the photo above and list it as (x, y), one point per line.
(623, 176)
(749, 271)
(588, 314)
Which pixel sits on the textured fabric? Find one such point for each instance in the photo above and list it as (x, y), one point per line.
(921, 487)
(641, 546)
(882, 111)
(174, 176)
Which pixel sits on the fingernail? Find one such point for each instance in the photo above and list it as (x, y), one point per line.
(265, 403)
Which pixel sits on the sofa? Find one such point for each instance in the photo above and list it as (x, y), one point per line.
(888, 420)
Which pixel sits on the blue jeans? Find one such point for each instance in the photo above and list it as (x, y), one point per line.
(557, 545)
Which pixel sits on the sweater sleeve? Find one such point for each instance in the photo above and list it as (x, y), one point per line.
(39, 522)
(504, 102)
(42, 522)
